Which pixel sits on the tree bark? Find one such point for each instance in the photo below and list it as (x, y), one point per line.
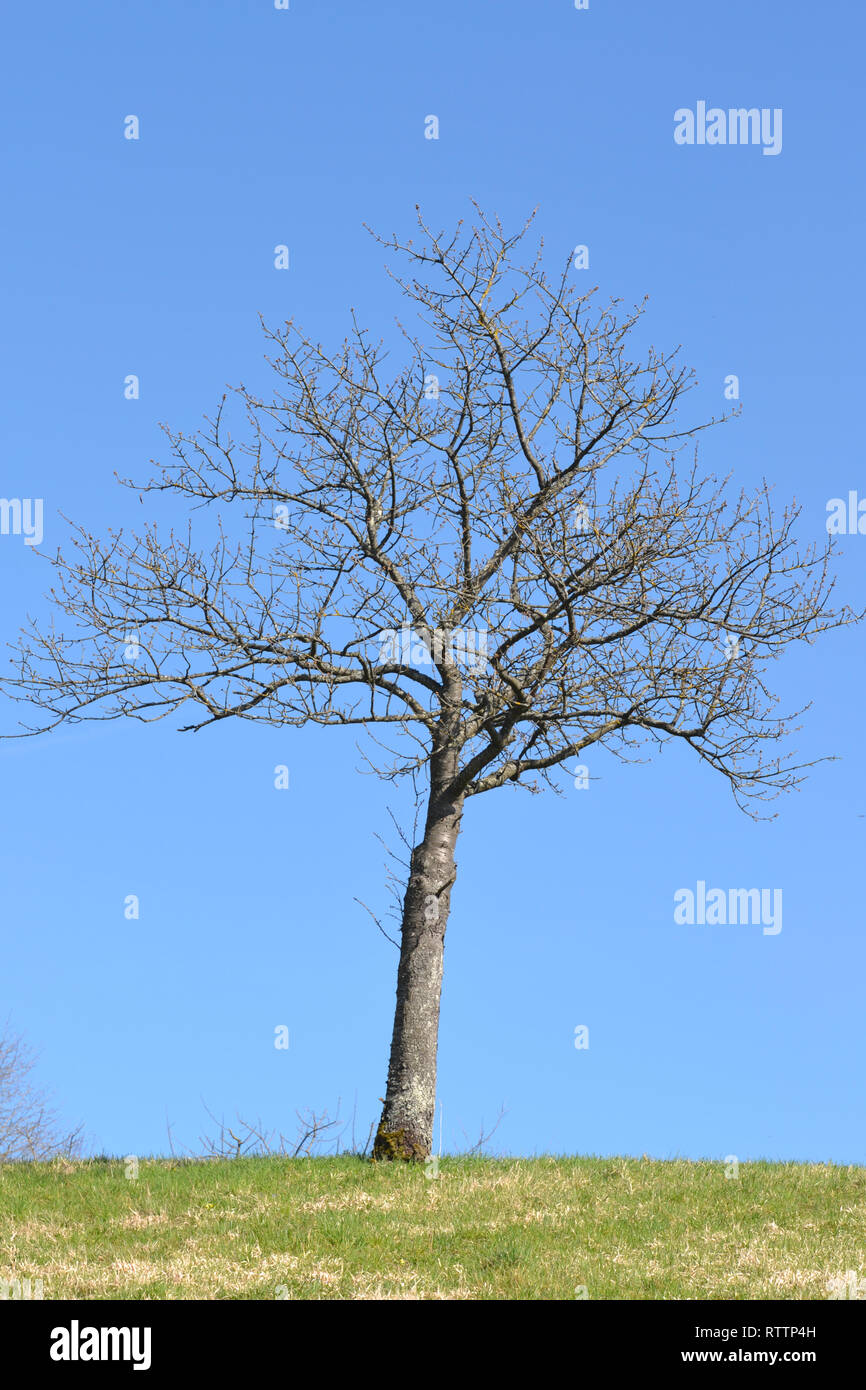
(406, 1127)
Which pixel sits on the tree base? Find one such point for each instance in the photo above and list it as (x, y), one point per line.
(395, 1145)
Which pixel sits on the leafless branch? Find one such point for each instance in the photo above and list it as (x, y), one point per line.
(30, 1129)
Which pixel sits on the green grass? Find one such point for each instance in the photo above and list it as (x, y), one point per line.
(265, 1228)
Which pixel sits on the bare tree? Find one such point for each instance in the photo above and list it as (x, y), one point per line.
(250, 1139)
(491, 559)
(29, 1124)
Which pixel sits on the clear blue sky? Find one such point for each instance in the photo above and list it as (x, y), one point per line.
(154, 257)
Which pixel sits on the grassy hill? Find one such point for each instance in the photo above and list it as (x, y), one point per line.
(265, 1228)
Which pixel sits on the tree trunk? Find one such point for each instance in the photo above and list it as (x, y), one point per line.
(406, 1127)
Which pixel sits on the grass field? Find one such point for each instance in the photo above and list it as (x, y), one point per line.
(342, 1228)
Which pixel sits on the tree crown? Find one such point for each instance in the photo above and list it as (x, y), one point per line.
(496, 549)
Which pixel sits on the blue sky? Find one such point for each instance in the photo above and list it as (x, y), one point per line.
(154, 257)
